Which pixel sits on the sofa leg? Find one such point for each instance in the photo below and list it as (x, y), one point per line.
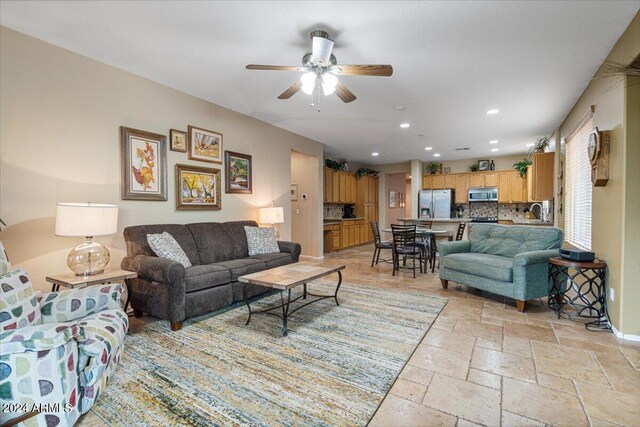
(444, 283)
(137, 313)
(176, 326)
(522, 305)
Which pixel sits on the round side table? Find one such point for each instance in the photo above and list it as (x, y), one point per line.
(580, 285)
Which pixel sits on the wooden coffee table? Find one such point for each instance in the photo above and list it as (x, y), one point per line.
(286, 278)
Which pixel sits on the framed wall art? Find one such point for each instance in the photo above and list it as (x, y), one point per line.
(205, 145)
(294, 192)
(178, 140)
(144, 165)
(238, 175)
(483, 165)
(198, 188)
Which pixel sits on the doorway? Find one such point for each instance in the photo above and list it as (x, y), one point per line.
(306, 204)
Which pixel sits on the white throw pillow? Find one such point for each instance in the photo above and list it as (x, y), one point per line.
(261, 240)
(165, 246)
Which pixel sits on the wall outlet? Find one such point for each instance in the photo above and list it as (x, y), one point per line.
(612, 294)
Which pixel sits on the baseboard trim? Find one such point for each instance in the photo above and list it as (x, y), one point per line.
(313, 258)
(624, 336)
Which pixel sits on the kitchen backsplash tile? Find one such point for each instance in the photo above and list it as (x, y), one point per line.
(506, 211)
(333, 211)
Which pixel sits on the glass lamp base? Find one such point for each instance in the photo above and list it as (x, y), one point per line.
(88, 258)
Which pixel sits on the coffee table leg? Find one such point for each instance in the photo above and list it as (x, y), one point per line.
(246, 301)
(285, 311)
(335, 296)
(304, 292)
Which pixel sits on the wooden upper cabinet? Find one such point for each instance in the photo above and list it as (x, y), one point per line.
(328, 186)
(462, 188)
(351, 183)
(342, 185)
(427, 182)
(476, 180)
(504, 187)
(491, 179)
(439, 182)
(450, 181)
(336, 187)
(518, 186)
(540, 177)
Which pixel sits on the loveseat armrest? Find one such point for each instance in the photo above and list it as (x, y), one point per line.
(37, 338)
(290, 247)
(154, 268)
(460, 246)
(534, 257)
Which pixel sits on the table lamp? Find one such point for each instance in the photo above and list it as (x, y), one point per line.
(271, 216)
(88, 220)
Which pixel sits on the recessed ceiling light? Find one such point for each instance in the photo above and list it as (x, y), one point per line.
(493, 141)
(375, 154)
(428, 148)
(494, 149)
(493, 111)
(436, 155)
(404, 125)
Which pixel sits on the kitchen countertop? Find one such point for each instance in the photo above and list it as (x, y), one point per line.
(456, 220)
(531, 222)
(339, 220)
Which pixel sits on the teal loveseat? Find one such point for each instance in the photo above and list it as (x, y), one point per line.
(502, 259)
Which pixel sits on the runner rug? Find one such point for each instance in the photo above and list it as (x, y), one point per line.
(333, 369)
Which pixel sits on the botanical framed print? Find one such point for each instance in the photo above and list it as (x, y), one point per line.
(178, 140)
(198, 188)
(483, 165)
(205, 145)
(294, 192)
(144, 165)
(238, 175)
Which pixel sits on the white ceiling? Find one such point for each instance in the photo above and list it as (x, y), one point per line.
(452, 62)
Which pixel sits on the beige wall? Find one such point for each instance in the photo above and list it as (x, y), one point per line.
(502, 163)
(304, 212)
(60, 118)
(615, 210)
(394, 182)
(383, 186)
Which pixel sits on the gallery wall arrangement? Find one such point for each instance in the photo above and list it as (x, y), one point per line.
(144, 168)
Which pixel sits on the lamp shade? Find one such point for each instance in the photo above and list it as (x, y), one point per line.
(86, 219)
(271, 215)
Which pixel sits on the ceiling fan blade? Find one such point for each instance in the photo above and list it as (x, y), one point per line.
(274, 67)
(345, 94)
(291, 90)
(363, 70)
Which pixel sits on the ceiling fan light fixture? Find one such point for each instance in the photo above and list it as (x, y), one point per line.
(321, 50)
(308, 82)
(329, 83)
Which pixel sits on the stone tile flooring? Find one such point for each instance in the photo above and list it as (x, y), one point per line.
(484, 363)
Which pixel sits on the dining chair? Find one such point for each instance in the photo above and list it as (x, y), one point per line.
(404, 245)
(460, 233)
(379, 244)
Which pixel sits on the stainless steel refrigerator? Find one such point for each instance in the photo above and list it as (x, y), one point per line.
(436, 203)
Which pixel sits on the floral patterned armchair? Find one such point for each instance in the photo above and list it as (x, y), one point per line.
(57, 349)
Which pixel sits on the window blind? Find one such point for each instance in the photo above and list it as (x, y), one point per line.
(577, 220)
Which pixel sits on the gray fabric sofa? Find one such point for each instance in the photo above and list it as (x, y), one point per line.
(505, 260)
(219, 255)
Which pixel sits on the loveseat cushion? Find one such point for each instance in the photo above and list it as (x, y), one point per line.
(200, 277)
(485, 265)
(240, 267)
(221, 241)
(509, 241)
(274, 260)
(18, 304)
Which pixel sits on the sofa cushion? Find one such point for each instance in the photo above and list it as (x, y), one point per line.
(509, 241)
(137, 244)
(240, 267)
(261, 240)
(223, 241)
(18, 304)
(201, 277)
(485, 265)
(274, 260)
(165, 246)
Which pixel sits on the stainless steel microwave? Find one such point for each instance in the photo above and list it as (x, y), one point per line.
(488, 194)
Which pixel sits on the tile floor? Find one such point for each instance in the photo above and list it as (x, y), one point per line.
(484, 363)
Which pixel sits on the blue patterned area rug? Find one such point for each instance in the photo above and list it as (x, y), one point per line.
(334, 368)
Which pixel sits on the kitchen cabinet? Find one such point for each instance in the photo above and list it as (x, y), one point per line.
(512, 188)
(331, 237)
(328, 185)
(427, 182)
(449, 181)
(339, 187)
(462, 188)
(476, 180)
(439, 182)
(491, 179)
(504, 187)
(367, 204)
(351, 188)
(540, 177)
(342, 195)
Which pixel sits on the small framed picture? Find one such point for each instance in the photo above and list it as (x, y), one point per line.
(238, 177)
(144, 165)
(205, 145)
(447, 170)
(483, 165)
(178, 140)
(198, 188)
(294, 192)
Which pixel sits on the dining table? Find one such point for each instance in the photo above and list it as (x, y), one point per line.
(431, 234)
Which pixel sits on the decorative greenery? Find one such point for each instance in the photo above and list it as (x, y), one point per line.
(540, 145)
(474, 167)
(431, 168)
(366, 172)
(522, 167)
(332, 164)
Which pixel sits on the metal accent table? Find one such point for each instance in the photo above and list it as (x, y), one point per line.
(582, 286)
(286, 278)
(72, 281)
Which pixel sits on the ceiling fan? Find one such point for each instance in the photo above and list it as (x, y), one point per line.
(321, 69)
